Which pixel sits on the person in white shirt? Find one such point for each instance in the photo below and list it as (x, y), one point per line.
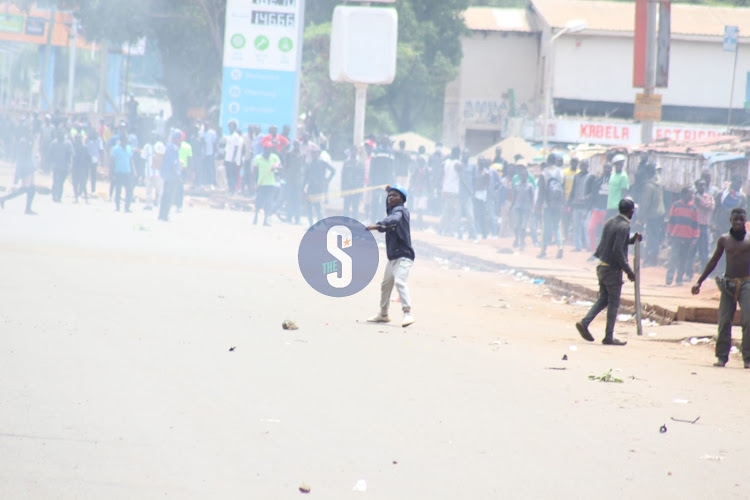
(450, 218)
(233, 156)
(152, 155)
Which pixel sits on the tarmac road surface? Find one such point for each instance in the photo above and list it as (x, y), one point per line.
(117, 378)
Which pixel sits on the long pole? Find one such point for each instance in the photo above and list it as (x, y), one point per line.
(637, 281)
(360, 106)
(731, 91)
(647, 127)
(47, 100)
(72, 62)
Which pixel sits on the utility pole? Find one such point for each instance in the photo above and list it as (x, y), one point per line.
(72, 61)
(647, 127)
(46, 100)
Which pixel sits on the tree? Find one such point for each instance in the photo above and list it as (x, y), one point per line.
(189, 34)
(429, 53)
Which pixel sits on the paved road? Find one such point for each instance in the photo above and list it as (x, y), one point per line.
(118, 382)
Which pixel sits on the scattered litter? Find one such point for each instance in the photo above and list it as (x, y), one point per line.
(624, 317)
(696, 340)
(361, 485)
(713, 458)
(663, 429)
(232, 348)
(649, 322)
(606, 377)
(141, 227)
(681, 401)
(563, 300)
(686, 421)
(304, 489)
(565, 357)
(498, 342)
(734, 350)
(395, 462)
(573, 348)
(288, 324)
(538, 281)
(583, 303)
(560, 368)
(651, 334)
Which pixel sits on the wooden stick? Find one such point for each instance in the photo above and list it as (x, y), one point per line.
(637, 271)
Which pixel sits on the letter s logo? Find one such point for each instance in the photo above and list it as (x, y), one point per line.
(346, 262)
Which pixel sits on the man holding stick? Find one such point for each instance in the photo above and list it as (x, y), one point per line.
(613, 254)
(733, 285)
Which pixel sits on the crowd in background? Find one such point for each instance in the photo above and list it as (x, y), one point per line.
(551, 203)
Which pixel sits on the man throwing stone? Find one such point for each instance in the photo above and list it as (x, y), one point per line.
(613, 254)
(400, 255)
(733, 285)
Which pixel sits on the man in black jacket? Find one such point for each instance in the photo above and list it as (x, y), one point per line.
(613, 254)
(400, 254)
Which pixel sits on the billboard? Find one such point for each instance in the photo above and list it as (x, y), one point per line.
(262, 62)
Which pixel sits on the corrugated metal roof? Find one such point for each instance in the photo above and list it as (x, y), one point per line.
(493, 19)
(620, 16)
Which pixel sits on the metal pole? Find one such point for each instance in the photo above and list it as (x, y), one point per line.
(550, 63)
(360, 105)
(104, 54)
(72, 62)
(127, 80)
(45, 100)
(647, 127)
(637, 272)
(731, 91)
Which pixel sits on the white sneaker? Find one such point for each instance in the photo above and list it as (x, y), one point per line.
(408, 320)
(379, 319)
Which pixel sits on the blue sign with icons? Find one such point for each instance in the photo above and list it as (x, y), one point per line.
(262, 59)
(258, 97)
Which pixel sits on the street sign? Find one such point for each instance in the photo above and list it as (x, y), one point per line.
(647, 108)
(731, 33)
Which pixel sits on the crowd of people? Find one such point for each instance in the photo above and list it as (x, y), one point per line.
(551, 203)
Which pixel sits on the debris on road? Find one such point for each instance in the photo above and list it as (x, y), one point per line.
(573, 348)
(583, 303)
(304, 489)
(560, 368)
(360, 485)
(663, 429)
(713, 458)
(606, 377)
(697, 340)
(288, 324)
(624, 318)
(232, 348)
(565, 357)
(734, 350)
(538, 281)
(686, 421)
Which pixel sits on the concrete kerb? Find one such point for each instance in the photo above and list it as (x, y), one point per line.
(458, 260)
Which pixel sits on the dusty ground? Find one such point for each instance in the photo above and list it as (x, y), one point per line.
(118, 382)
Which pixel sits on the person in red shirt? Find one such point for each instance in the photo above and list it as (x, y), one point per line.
(280, 142)
(683, 232)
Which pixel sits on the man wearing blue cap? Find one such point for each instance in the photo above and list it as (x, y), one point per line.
(400, 254)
